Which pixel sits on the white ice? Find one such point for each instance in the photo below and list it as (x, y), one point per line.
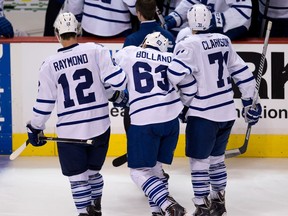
(33, 186)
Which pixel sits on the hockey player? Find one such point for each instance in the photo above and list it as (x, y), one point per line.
(146, 10)
(277, 12)
(6, 28)
(109, 18)
(230, 17)
(154, 107)
(75, 78)
(210, 58)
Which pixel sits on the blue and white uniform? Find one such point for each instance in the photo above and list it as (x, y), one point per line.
(237, 14)
(74, 80)
(152, 99)
(213, 65)
(277, 12)
(213, 62)
(154, 107)
(103, 18)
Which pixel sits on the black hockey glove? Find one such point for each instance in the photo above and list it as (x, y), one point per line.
(182, 115)
(33, 136)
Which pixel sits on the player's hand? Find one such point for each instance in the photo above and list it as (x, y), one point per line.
(79, 17)
(6, 28)
(250, 114)
(33, 136)
(182, 115)
(120, 99)
(217, 22)
(172, 20)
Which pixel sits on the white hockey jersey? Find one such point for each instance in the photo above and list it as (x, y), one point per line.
(103, 17)
(1, 8)
(152, 98)
(237, 13)
(213, 62)
(74, 79)
(278, 9)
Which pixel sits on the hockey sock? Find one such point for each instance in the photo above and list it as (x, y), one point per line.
(200, 179)
(81, 191)
(96, 182)
(152, 186)
(218, 175)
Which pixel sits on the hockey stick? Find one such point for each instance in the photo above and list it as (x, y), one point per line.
(235, 152)
(119, 161)
(160, 16)
(264, 19)
(66, 140)
(18, 151)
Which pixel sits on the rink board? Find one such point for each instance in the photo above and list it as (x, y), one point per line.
(20, 59)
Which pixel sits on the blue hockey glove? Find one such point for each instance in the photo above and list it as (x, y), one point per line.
(172, 20)
(250, 114)
(79, 17)
(6, 28)
(33, 136)
(217, 23)
(182, 115)
(120, 99)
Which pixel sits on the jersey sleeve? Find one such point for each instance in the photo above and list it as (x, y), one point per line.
(111, 73)
(131, 6)
(188, 89)
(46, 98)
(73, 6)
(238, 14)
(241, 74)
(1, 8)
(182, 64)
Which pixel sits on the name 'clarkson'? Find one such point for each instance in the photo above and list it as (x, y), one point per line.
(213, 43)
(71, 61)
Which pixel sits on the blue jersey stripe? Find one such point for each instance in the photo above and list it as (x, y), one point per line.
(213, 95)
(212, 107)
(83, 109)
(45, 101)
(183, 65)
(120, 84)
(41, 112)
(82, 121)
(113, 75)
(245, 81)
(239, 71)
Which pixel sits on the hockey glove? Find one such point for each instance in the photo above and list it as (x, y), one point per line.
(33, 136)
(6, 28)
(182, 115)
(217, 23)
(250, 114)
(172, 20)
(120, 99)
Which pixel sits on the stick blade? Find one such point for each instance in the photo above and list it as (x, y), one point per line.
(119, 161)
(18, 151)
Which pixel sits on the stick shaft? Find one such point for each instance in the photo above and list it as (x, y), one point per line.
(66, 140)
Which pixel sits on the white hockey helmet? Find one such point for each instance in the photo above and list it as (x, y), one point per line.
(199, 17)
(66, 23)
(156, 39)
